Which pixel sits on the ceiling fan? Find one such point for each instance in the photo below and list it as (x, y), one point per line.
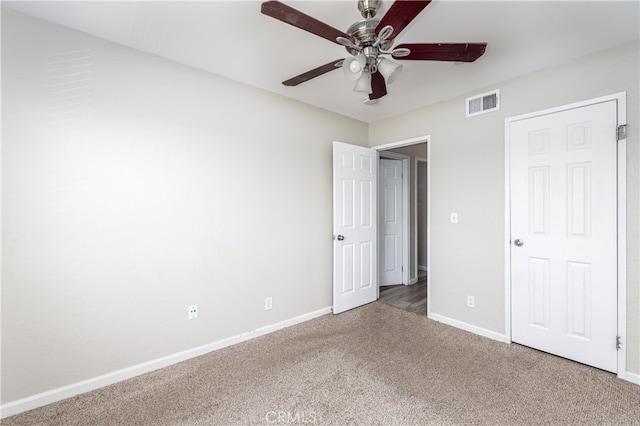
(369, 42)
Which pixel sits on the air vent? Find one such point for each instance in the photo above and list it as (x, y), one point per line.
(483, 103)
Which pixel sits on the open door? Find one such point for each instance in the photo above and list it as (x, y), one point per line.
(355, 251)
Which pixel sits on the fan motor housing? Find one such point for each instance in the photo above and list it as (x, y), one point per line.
(365, 32)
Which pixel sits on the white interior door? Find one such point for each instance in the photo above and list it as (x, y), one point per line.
(355, 252)
(564, 233)
(391, 222)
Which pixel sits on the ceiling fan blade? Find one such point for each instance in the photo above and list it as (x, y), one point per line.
(378, 86)
(400, 14)
(333, 65)
(291, 16)
(455, 52)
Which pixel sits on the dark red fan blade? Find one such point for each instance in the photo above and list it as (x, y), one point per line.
(313, 73)
(378, 86)
(400, 14)
(455, 52)
(291, 16)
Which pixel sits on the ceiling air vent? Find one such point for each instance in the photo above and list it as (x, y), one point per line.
(483, 103)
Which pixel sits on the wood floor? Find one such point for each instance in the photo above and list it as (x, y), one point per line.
(412, 298)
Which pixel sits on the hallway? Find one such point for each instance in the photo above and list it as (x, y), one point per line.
(412, 298)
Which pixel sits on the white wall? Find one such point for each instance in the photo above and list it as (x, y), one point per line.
(149, 187)
(467, 176)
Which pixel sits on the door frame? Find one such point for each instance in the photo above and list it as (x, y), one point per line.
(406, 170)
(620, 98)
(419, 160)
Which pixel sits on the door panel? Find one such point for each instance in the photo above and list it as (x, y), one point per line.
(354, 223)
(563, 209)
(391, 223)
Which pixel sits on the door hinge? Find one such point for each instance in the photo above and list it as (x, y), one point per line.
(618, 342)
(621, 133)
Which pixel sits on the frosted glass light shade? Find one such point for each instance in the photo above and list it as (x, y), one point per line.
(363, 84)
(354, 66)
(389, 69)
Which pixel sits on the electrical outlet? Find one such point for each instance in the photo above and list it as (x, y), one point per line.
(268, 303)
(471, 301)
(193, 312)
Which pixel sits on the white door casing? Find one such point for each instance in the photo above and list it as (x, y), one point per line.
(421, 213)
(563, 196)
(391, 222)
(355, 251)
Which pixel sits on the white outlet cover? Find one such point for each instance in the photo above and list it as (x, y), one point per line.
(471, 301)
(193, 312)
(454, 217)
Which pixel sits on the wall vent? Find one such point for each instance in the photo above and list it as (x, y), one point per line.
(483, 103)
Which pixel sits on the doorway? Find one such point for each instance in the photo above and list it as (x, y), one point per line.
(356, 253)
(412, 294)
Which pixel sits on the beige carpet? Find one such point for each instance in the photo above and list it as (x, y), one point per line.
(373, 365)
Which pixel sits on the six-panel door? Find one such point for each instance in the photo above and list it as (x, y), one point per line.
(355, 248)
(563, 212)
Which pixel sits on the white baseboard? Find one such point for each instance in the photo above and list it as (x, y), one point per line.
(64, 392)
(632, 377)
(468, 327)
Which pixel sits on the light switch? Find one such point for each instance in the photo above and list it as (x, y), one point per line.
(454, 217)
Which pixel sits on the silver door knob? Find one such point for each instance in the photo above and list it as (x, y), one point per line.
(340, 237)
(518, 242)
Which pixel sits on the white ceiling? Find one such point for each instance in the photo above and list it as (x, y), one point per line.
(233, 39)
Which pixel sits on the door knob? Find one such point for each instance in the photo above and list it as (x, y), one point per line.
(518, 242)
(339, 238)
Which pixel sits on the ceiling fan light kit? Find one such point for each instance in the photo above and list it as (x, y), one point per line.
(369, 41)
